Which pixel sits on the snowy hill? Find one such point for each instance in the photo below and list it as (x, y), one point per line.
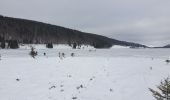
(105, 74)
(167, 46)
(32, 32)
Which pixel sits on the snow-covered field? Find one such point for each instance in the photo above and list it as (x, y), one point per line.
(92, 74)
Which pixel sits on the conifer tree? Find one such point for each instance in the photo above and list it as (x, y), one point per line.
(164, 90)
(33, 53)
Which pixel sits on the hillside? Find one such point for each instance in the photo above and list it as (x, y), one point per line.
(167, 46)
(29, 32)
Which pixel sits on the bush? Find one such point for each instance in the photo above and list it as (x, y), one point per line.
(49, 45)
(167, 61)
(74, 45)
(33, 53)
(2, 44)
(72, 54)
(13, 44)
(63, 55)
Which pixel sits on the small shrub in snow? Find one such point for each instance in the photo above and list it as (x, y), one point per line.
(74, 45)
(150, 68)
(167, 61)
(49, 45)
(164, 90)
(52, 87)
(72, 54)
(59, 54)
(69, 76)
(74, 98)
(2, 45)
(63, 55)
(33, 53)
(62, 90)
(81, 86)
(92, 78)
(111, 90)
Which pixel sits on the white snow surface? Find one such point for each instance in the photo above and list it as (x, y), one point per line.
(119, 46)
(92, 74)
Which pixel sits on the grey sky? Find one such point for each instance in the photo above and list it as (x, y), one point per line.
(142, 21)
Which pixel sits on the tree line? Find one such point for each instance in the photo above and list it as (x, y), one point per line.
(33, 32)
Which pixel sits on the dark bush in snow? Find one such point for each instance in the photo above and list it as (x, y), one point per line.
(2, 44)
(72, 54)
(52, 87)
(63, 54)
(13, 44)
(74, 45)
(167, 61)
(17, 79)
(111, 90)
(49, 45)
(74, 98)
(33, 53)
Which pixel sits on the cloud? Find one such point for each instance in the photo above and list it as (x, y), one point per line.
(143, 21)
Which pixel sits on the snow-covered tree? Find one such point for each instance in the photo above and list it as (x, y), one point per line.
(33, 53)
(164, 90)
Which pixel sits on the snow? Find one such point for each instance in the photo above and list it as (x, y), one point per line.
(119, 46)
(92, 74)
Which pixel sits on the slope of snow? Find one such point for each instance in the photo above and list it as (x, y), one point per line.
(113, 74)
(119, 46)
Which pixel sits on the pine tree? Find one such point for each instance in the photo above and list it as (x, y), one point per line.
(13, 44)
(74, 45)
(33, 53)
(2, 44)
(164, 87)
(49, 45)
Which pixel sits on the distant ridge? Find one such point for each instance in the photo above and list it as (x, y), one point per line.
(28, 32)
(167, 46)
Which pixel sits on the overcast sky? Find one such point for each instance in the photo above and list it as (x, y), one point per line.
(142, 21)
